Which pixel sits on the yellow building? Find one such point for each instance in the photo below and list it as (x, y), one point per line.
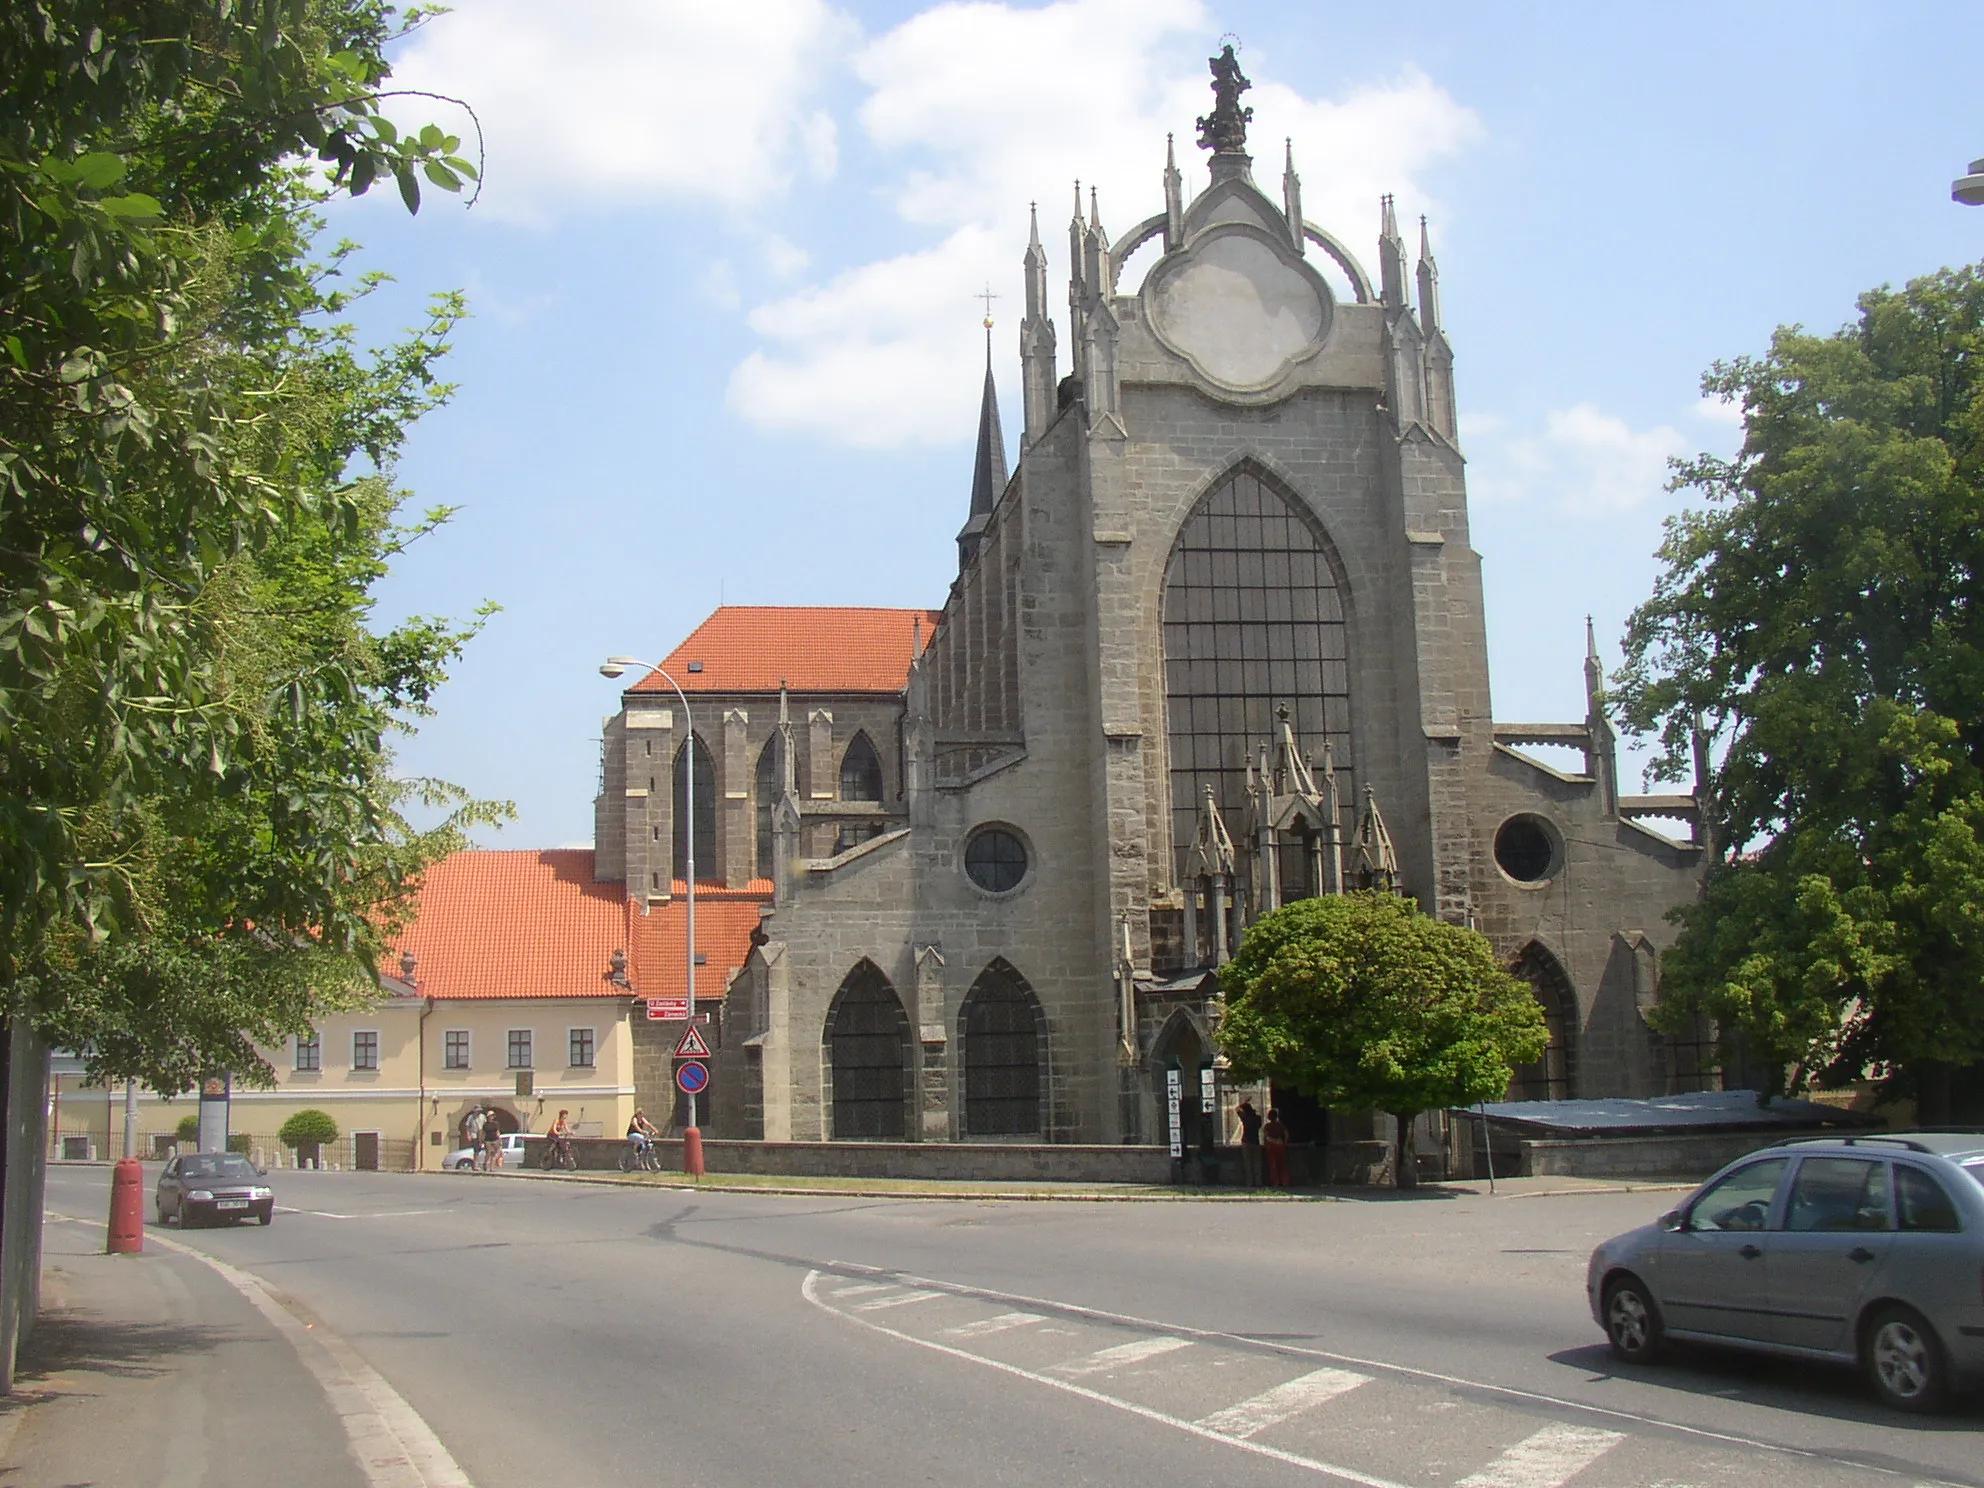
(507, 997)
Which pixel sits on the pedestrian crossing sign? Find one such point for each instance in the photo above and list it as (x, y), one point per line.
(691, 1045)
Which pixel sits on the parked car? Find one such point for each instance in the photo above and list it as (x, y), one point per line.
(205, 1187)
(1857, 1250)
(462, 1159)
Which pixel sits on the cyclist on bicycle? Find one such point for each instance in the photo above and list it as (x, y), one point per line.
(641, 1132)
(561, 1137)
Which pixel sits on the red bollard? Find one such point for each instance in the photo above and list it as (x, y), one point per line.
(692, 1152)
(127, 1208)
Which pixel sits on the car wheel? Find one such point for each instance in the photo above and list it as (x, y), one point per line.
(466, 1165)
(1632, 1321)
(160, 1206)
(267, 1219)
(1904, 1360)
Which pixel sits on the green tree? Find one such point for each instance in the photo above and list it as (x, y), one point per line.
(307, 1128)
(188, 1129)
(201, 842)
(1818, 630)
(1363, 1001)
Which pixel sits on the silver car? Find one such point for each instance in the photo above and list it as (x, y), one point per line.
(1858, 1250)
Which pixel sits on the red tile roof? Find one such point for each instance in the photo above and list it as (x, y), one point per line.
(752, 648)
(538, 924)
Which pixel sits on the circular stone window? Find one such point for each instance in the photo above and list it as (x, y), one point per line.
(995, 860)
(1528, 849)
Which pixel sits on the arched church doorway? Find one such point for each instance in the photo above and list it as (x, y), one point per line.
(1181, 1046)
(1254, 618)
(867, 1048)
(1553, 1076)
(1002, 1044)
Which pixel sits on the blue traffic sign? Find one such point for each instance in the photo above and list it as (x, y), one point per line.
(693, 1076)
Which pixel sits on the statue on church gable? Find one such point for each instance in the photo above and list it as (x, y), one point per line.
(1224, 130)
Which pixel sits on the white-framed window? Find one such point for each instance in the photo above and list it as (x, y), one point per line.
(520, 1048)
(365, 1049)
(579, 1042)
(454, 1049)
(309, 1051)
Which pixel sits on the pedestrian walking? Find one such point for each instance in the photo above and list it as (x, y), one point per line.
(492, 1142)
(1274, 1149)
(472, 1135)
(1250, 1144)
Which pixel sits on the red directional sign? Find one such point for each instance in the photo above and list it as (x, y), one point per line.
(691, 1045)
(667, 1009)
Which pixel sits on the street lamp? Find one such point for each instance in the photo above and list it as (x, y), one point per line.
(1969, 190)
(616, 666)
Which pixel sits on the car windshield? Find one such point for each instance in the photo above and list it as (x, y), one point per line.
(216, 1167)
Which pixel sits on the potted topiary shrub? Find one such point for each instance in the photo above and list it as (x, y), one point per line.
(308, 1131)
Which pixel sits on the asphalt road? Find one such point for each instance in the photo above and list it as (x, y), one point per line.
(554, 1333)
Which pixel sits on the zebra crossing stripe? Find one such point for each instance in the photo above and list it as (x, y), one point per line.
(1104, 1360)
(900, 1299)
(1549, 1459)
(1272, 1407)
(1000, 1324)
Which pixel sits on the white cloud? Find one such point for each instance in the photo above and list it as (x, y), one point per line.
(1725, 412)
(1585, 461)
(785, 259)
(634, 100)
(989, 106)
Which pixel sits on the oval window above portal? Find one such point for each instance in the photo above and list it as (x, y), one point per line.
(995, 859)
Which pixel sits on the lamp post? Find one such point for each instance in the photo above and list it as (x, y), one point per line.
(616, 666)
(1969, 190)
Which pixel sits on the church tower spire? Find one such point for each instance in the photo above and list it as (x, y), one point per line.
(1391, 258)
(1291, 198)
(1429, 282)
(988, 469)
(1036, 343)
(1174, 198)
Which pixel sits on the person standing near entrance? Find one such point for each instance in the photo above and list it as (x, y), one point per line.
(1250, 1144)
(472, 1135)
(492, 1142)
(1274, 1148)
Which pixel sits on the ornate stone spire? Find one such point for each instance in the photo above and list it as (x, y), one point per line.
(988, 469)
(1224, 130)
(1429, 282)
(1376, 858)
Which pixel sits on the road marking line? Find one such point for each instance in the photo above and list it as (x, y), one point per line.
(861, 1288)
(1549, 1459)
(901, 1299)
(392, 1445)
(809, 1289)
(1103, 1360)
(1382, 1366)
(1272, 1407)
(1000, 1324)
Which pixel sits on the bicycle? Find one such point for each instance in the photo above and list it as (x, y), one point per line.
(558, 1154)
(644, 1156)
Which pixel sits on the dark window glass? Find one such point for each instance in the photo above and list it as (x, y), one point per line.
(455, 1049)
(309, 1052)
(1839, 1193)
(860, 771)
(581, 1048)
(705, 812)
(767, 787)
(1001, 1057)
(868, 1053)
(519, 1048)
(365, 1051)
(853, 834)
(1524, 849)
(1250, 607)
(1742, 1200)
(1921, 1203)
(995, 860)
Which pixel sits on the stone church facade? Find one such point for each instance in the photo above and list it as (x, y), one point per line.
(1217, 642)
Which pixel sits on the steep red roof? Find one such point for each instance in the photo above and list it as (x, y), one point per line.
(752, 648)
(538, 924)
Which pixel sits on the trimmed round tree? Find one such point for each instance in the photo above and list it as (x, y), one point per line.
(306, 1131)
(1364, 1002)
(188, 1129)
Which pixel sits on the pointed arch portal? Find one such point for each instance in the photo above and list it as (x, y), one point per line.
(1553, 1077)
(1253, 619)
(867, 1039)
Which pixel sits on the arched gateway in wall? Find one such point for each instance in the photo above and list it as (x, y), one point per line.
(867, 1059)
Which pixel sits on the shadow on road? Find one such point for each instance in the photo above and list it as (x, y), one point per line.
(1833, 1392)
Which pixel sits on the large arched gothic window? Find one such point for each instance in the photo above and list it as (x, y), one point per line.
(1003, 1042)
(706, 858)
(766, 788)
(860, 771)
(867, 1039)
(1553, 1077)
(1253, 620)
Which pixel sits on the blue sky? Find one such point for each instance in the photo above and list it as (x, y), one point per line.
(724, 344)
